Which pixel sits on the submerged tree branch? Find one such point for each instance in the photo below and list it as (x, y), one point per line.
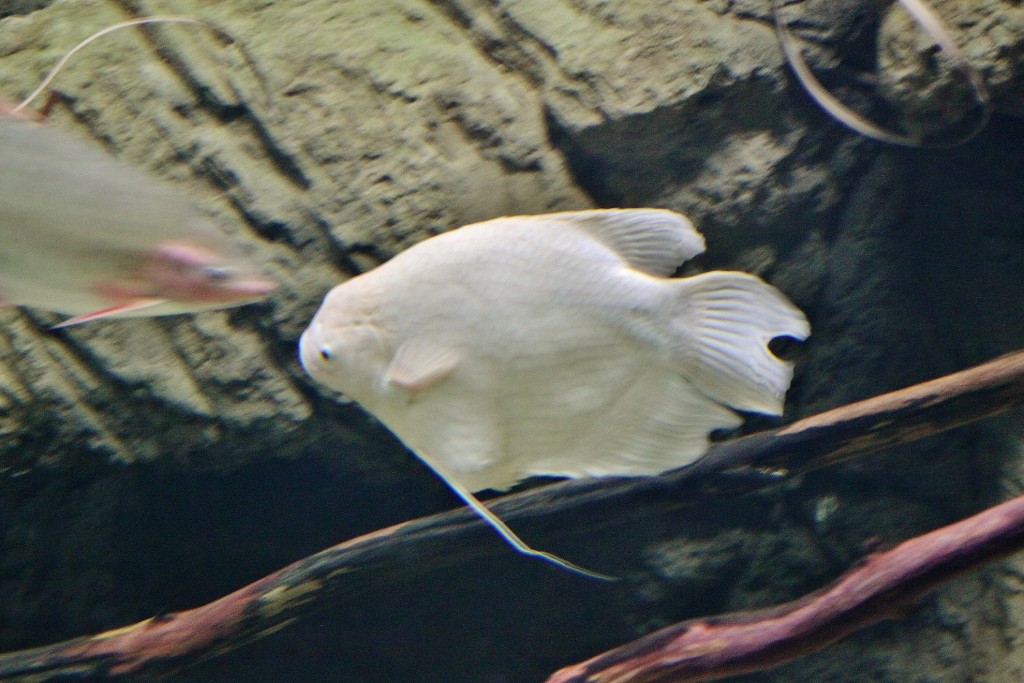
(876, 423)
(883, 586)
(162, 645)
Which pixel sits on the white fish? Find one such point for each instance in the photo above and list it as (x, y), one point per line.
(88, 235)
(553, 345)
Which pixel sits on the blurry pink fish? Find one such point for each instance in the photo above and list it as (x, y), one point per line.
(88, 235)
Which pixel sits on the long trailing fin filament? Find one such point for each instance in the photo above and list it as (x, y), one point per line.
(503, 530)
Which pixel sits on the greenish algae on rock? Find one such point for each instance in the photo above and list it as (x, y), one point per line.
(391, 121)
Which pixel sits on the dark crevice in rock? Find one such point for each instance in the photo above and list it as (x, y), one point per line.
(629, 161)
(285, 161)
(589, 170)
(511, 51)
(15, 7)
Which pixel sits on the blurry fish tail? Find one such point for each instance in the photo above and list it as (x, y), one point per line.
(510, 536)
(722, 323)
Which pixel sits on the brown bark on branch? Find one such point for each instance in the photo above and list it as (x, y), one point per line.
(883, 586)
(166, 644)
(880, 422)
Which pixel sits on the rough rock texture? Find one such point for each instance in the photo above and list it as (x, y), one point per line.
(325, 183)
(392, 120)
(930, 95)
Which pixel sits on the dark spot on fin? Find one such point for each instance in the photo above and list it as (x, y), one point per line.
(785, 348)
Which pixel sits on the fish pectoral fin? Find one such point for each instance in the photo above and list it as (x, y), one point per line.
(419, 365)
(111, 312)
(655, 241)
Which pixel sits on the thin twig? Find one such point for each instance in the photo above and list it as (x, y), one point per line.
(220, 34)
(937, 31)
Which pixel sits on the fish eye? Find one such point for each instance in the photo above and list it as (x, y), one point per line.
(325, 354)
(218, 273)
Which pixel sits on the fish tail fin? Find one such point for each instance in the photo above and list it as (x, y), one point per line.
(722, 324)
(510, 536)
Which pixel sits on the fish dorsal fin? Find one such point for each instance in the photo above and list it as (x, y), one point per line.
(655, 241)
(420, 364)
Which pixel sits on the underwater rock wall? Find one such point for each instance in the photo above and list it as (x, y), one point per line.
(388, 122)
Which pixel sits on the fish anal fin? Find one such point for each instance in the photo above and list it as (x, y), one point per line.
(655, 241)
(111, 312)
(661, 421)
(419, 365)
